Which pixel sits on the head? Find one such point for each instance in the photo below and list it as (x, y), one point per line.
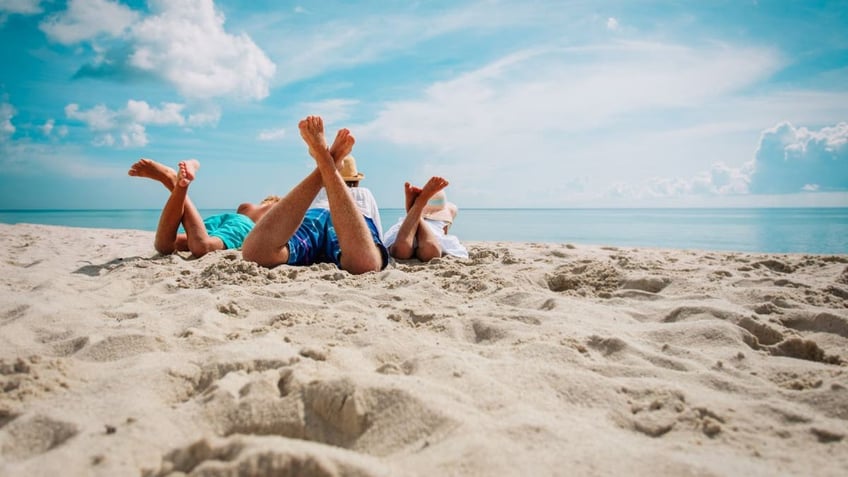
(254, 211)
(349, 173)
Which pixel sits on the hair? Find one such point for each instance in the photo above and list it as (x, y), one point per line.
(271, 199)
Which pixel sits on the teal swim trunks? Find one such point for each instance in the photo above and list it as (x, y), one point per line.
(230, 228)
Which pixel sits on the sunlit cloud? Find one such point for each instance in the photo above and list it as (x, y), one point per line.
(184, 43)
(791, 159)
(87, 19)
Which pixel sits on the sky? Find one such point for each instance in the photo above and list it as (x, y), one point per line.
(524, 103)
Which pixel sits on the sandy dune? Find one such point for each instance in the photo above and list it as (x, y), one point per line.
(526, 359)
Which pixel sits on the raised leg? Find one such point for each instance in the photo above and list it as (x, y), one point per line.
(413, 228)
(359, 252)
(267, 243)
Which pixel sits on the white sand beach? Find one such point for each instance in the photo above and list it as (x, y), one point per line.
(525, 359)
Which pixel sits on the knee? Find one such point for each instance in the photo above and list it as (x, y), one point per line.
(264, 257)
(401, 253)
(201, 248)
(164, 249)
(428, 251)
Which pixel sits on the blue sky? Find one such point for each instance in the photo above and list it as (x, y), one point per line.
(518, 103)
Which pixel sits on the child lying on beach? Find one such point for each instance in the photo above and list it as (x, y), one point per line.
(218, 232)
(423, 232)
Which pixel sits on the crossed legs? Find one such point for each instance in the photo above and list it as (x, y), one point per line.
(413, 228)
(267, 243)
(178, 209)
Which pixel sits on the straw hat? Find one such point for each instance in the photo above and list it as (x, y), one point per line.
(438, 208)
(348, 171)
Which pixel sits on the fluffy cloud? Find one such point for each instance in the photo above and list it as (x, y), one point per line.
(126, 127)
(788, 160)
(186, 43)
(612, 24)
(183, 42)
(791, 159)
(87, 19)
(7, 112)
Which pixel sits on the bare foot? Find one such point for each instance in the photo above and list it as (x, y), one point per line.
(435, 184)
(151, 169)
(312, 132)
(342, 146)
(188, 169)
(411, 192)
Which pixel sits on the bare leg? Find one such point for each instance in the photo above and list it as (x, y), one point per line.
(179, 209)
(267, 243)
(151, 169)
(359, 252)
(414, 227)
(167, 239)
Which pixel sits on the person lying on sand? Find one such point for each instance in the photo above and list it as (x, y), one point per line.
(423, 232)
(218, 232)
(294, 233)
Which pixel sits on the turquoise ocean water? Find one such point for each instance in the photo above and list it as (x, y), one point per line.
(773, 230)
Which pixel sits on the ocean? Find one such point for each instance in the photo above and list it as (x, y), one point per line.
(770, 230)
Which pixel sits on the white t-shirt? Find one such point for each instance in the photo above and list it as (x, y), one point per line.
(364, 201)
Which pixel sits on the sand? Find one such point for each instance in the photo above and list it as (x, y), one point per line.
(525, 359)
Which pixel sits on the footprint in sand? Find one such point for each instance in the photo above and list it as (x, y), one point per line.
(337, 412)
(656, 412)
(822, 322)
(245, 455)
(113, 348)
(28, 436)
(14, 314)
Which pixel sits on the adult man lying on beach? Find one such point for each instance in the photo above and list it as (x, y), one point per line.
(218, 232)
(423, 232)
(293, 233)
(361, 195)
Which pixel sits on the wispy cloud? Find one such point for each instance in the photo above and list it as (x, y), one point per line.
(272, 134)
(21, 7)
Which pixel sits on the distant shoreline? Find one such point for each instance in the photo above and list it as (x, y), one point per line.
(764, 230)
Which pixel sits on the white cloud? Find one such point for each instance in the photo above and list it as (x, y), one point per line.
(169, 113)
(21, 7)
(790, 159)
(47, 128)
(127, 127)
(272, 134)
(98, 118)
(7, 112)
(87, 19)
(612, 24)
(185, 43)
